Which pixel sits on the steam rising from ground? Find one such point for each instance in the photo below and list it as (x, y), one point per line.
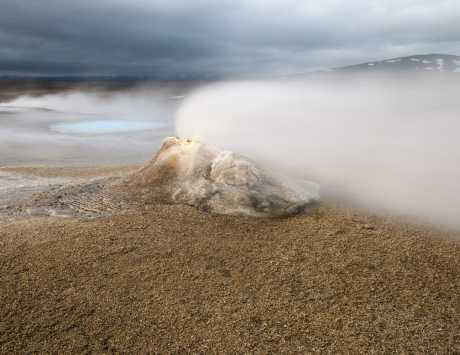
(386, 143)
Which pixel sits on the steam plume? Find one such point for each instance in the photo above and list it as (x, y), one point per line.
(386, 143)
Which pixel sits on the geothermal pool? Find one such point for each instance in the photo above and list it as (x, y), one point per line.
(42, 136)
(99, 127)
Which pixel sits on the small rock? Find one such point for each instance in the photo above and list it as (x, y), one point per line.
(368, 227)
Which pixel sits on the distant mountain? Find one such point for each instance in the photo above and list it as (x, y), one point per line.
(421, 63)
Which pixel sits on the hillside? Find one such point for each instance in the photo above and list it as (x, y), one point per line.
(415, 63)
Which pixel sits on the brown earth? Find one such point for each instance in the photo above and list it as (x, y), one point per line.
(170, 279)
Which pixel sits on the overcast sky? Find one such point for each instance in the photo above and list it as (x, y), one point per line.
(201, 38)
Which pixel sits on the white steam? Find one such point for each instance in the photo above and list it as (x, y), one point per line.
(388, 143)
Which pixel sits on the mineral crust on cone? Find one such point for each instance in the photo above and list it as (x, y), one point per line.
(190, 172)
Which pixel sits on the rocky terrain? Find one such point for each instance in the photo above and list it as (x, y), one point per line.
(171, 279)
(163, 278)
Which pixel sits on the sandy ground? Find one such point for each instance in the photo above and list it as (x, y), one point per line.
(169, 279)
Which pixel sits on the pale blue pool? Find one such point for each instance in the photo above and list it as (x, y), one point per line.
(105, 126)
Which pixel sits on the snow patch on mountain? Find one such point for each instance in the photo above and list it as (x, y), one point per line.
(441, 63)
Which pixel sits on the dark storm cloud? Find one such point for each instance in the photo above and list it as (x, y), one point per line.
(171, 39)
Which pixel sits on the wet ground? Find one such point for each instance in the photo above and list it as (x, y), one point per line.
(27, 192)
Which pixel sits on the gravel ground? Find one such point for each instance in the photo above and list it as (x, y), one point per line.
(169, 279)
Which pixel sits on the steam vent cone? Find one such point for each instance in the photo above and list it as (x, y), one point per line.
(190, 172)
